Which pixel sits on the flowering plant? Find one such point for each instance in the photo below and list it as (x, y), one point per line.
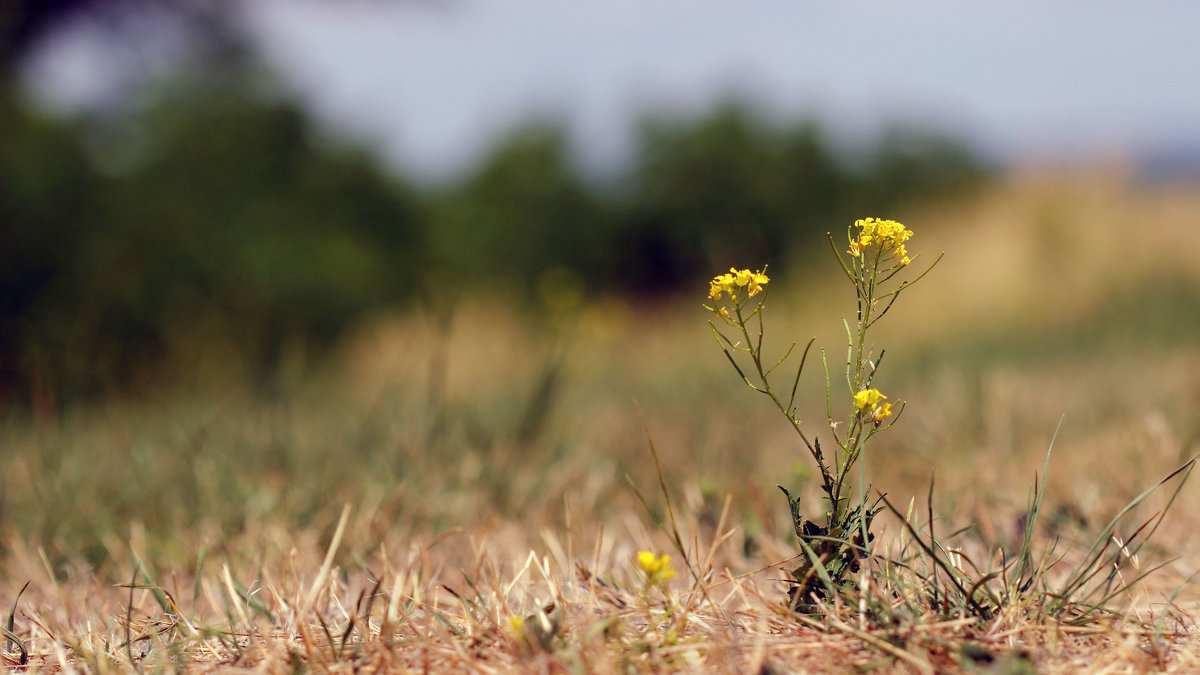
(832, 546)
(656, 570)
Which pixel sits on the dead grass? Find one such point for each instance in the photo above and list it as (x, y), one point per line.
(471, 499)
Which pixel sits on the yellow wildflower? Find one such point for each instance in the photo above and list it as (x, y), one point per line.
(867, 398)
(889, 235)
(516, 624)
(657, 569)
(881, 413)
(719, 284)
(757, 281)
(734, 281)
(870, 404)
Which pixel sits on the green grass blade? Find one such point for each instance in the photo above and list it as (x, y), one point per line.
(10, 626)
(1034, 509)
(1094, 554)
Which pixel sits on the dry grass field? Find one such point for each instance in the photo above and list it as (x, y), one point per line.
(458, 491)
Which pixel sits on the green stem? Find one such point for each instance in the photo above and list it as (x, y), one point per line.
(754, 347)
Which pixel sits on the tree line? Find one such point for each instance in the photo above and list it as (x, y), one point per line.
(215, 214)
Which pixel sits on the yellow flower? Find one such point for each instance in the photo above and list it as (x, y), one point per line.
(722, 283)
(657, 570)
(889, 235)
(733, 282)
(870, 403)
(757, 281)
(866, 230)
(881, 413)
(867, 398)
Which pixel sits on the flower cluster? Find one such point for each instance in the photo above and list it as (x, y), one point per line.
(735, 287)
(734, 281)
(870, 403)
(888, 234)
(656, 569)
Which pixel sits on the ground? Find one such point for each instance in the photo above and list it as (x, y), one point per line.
(467, 486)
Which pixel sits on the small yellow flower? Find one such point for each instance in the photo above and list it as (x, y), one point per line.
(516, 624)
(733, 282)
(722, 283)
(753, 281)
(657, 570)
(867, 398)
(870, 404)
(889, 235)
(881, 413)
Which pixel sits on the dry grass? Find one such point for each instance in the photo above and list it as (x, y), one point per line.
(473, 499)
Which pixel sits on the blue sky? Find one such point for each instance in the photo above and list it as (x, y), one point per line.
(432, 83)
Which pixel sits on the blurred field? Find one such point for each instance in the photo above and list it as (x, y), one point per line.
(510, 429)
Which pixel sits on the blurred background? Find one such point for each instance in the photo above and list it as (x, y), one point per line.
(412, 212)
(183, 177)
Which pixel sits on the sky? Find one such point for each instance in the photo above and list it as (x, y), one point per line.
(432, 83)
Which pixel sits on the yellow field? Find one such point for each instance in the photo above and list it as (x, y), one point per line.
(484, 456)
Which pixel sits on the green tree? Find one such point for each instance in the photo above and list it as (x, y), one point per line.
(723, 189)
(219, 217)
(524, 211)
